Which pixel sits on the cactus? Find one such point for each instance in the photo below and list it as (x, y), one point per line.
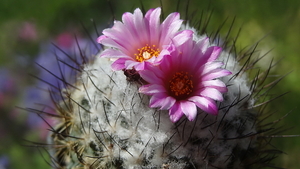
(104, 121)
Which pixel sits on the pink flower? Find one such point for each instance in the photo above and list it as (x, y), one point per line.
(186, 79)
(139, 39)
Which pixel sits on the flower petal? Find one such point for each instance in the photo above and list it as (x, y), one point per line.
(168, 103)
(215, 74)
(182, 36)
(137, 65)
(189, 109)
(127, 19)
(217, 84)
(136, 32)
(119, 64)
(156, 100)
(111, 53)
(108, 42)
(169, 27)
(151, 89)
(206, 104)
(139, 26)
(162, 100)
(100, 38)
(213, 53)
(208, 67)
(152, 68)
(202, 45)
(153, 16)
(118, 37)
(150, 77)
(175, 113)
(210, 93)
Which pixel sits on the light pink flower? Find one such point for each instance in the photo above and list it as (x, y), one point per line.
(139, 39)
(186, 79)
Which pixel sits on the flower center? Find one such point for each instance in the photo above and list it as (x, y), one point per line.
(181, 85)
(146, 53)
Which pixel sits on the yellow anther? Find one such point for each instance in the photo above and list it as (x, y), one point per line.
(146, 53)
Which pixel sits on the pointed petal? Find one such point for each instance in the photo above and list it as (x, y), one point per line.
(153, 17)
(208, 67)
(154, 69)
(162, 100)
(119, 64)
(203, 44)
(213, 53)
(169, 27)
(217, 84)
(150, 77)
(215, 74)
(175, 113)
(152, 89)
(108, 42)
(131, 63)
(156, 100)
(128, 20)
(161, 56)
(139, 66)
(121, 37)
(189, 109)
(206, 104)
(182, 36)
(210, 93)
(112, 53)
(167, 103)
(100, 38)
(139, 26)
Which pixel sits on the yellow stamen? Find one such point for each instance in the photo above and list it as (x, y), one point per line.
(146, 52)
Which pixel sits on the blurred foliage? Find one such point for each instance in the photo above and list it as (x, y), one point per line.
(277, 22)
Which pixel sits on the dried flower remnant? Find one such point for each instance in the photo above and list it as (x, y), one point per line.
(139, 39)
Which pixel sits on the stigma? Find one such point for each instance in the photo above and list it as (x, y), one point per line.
(146, 52)
(181, 85)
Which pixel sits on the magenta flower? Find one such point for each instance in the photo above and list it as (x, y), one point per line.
(186, 79)
(139, 39)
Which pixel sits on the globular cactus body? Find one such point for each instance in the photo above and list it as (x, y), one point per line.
(105, 122)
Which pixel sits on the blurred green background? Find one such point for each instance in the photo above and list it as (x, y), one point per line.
(279, 20)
